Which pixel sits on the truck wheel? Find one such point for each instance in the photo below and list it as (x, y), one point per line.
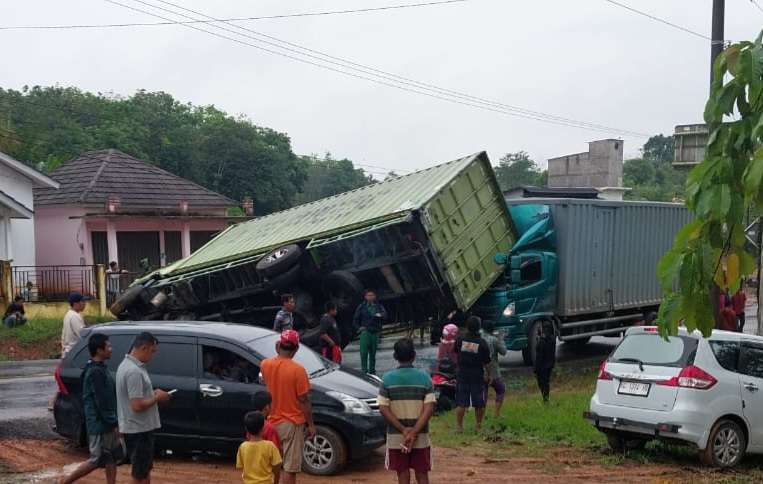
(286, 279)
(344, 321)
(125, 300)
(326, 454)
(725, 446)
(344, 289)
(279, 261)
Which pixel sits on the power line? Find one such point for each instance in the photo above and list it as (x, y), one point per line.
(397, 82)
(658, 19)
(233, 19)
(757, 5)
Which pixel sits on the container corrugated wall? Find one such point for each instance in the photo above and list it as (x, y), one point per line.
(608, 252)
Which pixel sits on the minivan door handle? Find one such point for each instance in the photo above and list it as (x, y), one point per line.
(751, 387)
(212, 391)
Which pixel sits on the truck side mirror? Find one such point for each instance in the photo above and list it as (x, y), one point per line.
(516, 263)
(516, 276)
(501, 259)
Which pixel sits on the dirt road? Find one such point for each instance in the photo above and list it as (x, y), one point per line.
(43, 461)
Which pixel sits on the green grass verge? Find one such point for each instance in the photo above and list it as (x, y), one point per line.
(526, 422)
(37, 339)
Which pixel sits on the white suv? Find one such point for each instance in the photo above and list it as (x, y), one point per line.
(707, 392)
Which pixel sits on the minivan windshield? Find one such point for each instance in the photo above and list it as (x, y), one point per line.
(651, 349)
(309, 359)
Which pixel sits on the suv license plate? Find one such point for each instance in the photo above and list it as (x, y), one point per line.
(634, 388)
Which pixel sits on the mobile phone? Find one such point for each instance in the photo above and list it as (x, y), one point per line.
(172, 391)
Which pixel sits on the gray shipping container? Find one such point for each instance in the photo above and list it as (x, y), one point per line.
(608, 252)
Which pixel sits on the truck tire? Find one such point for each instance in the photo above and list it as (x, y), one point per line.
(286, 279)
(344, 289)
(528, 353)
(125, 300)
(326, 454)
(279, 261)
(344, 321)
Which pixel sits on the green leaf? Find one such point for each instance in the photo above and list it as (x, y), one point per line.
(721, 201)
(753, 175)
(668, 315)
(668, 268)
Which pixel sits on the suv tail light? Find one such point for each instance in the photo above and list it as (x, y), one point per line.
(691, 377)
(61, 386)
(603, 373)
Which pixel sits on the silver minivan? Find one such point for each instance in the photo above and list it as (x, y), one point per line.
(707, 392)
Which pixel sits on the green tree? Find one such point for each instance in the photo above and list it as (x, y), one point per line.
(328, 176)
(653, 177)
(711, 248)
(517, 169)
(659, 148)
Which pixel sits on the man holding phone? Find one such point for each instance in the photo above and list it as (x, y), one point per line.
(137, 406)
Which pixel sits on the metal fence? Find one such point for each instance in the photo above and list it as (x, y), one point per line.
(52, 283)
(117, 283)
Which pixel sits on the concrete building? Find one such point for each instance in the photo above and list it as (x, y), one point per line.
(689, 145)
(600, 167)
(17, 181)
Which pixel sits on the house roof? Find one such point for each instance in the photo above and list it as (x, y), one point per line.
(94, 176)
(38, 179)
(18, 209)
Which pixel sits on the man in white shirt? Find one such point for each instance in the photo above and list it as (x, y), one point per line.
(73, 323)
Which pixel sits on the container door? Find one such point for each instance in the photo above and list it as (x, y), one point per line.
(468, 223)
(602, 261)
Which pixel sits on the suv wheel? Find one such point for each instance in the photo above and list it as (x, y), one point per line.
(726, 445)
(326, 454)
(622, 442)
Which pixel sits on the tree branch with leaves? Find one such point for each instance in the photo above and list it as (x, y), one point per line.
(711, 249)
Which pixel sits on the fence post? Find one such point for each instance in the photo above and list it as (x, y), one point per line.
(100, 284)
(7, 282)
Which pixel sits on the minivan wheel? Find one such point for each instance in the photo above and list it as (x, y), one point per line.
(326, 454)
(726, 445)
(621, 442)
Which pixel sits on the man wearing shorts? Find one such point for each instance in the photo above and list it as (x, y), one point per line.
(473, 358)
(99, 401)
(406, 400)
(290, 411)
(497, 347)
(137, 406)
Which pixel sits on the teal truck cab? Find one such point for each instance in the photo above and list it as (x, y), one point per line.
(588, 266)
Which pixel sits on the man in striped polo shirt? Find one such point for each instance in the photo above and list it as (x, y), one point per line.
(406, 400)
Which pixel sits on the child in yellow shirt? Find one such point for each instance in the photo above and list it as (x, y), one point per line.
(259, 458)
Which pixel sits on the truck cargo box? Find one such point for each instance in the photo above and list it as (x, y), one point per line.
(608, 252)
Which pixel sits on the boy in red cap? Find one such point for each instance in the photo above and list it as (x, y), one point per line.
(289, 386)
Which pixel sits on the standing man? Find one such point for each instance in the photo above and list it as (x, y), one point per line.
(14, 313)
(497, 347)
(545, 358)
(285, 316)
(368, 320)
(406, 401)
(330, 338)
(287, 382)
(137, 406)
(99, 401)
(739, 299)
(473, 359)
(73, 322)
(113, 282)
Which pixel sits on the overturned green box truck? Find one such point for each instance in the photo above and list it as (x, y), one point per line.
(428, 243)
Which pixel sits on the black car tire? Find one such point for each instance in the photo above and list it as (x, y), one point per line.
(279, 261)
(344, 289)
(620, 442)
(326, 454)
(125, 300)
(728, 432)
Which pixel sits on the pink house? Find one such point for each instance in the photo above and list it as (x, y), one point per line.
(113, 207)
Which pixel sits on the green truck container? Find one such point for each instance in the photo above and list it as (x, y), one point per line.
(425, 242)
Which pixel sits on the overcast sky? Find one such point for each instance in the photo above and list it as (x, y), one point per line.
(587, 59)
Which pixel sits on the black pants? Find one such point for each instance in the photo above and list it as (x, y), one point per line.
(543, 375)
(140, 449)
(740, 322)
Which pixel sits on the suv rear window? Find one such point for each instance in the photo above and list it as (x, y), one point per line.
(651, 349)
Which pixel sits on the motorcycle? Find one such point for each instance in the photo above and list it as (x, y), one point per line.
(444, 383)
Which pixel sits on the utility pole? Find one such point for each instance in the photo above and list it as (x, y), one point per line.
(716, 44)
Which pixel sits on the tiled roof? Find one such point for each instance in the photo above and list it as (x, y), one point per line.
(94, 176)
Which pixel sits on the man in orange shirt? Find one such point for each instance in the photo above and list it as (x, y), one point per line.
(289, 386)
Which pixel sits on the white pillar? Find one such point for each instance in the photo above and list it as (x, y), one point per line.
(111, 239)
(8, 239)
(162, 252)
(185, 239)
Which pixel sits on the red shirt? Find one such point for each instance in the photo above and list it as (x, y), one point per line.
(269, 433)
(739, 299)
(728, 319)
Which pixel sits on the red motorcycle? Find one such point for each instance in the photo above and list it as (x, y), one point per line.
(444, 383)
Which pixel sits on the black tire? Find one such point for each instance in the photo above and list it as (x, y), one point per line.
(622, 442)
(125, 300)
(346, 331)
(279, 261)
(344, 289)
(285, 280)
(445, 404)
(326, 454)
(528, 353)
(311, 338)
(725, 446)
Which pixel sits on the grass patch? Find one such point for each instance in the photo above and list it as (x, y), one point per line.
(37, 339)
(526, 422)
